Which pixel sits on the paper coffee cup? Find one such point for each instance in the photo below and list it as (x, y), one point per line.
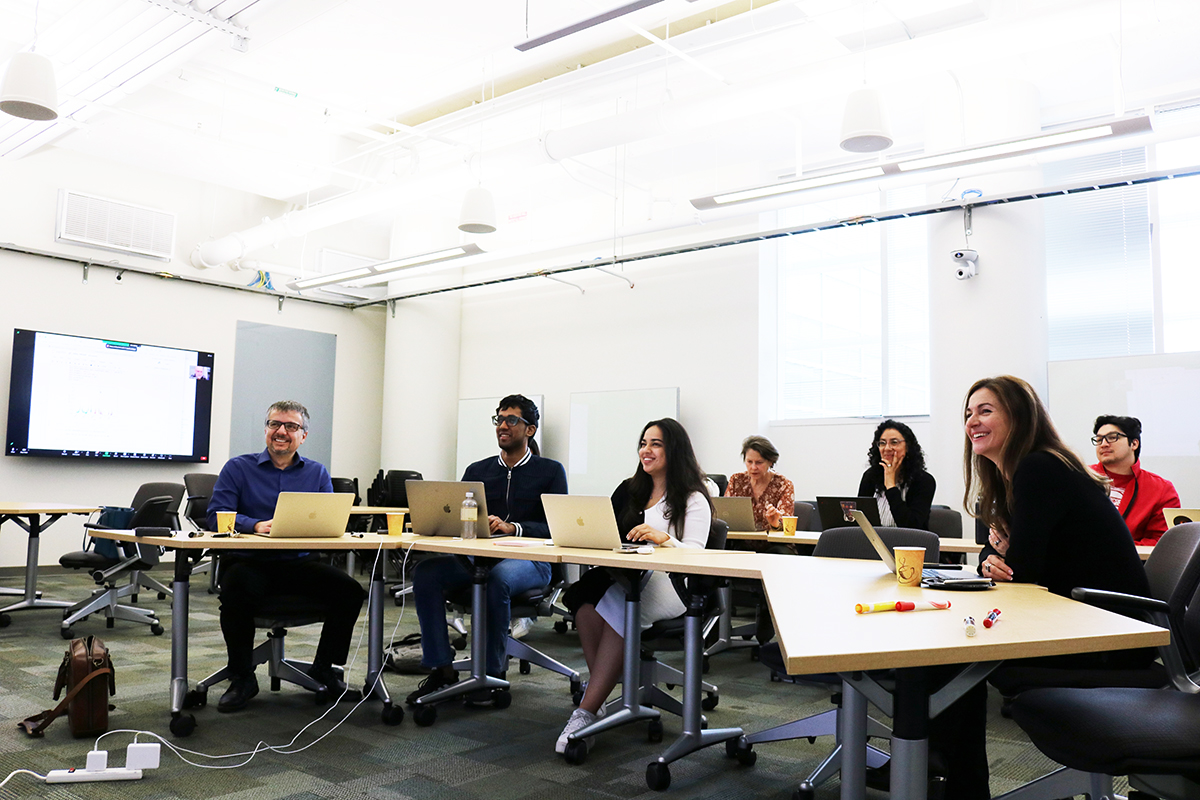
(226, 521)
(395, 523)
(909, 563)
(789, 526)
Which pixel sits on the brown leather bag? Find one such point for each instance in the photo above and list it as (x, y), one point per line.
(82, 673)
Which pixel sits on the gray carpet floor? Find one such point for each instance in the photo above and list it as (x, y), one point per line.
(345, 751)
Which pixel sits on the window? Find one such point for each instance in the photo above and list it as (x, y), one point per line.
(1178, 221)
(853, 315)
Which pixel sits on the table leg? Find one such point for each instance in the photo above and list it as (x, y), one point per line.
(392, 714)
(32, 599)
(910, 735)
(181, 724)
(853, 745)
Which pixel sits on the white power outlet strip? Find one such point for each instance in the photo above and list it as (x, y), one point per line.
(86, 776)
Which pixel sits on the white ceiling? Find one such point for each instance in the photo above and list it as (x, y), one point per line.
(338, 96)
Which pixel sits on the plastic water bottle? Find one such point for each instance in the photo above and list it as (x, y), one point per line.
(470, 513)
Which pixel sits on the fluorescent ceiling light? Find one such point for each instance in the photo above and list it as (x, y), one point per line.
(391, 265)
(973, 155)
(590, 22)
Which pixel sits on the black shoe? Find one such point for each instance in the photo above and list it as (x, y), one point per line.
(335, 687)
(241, 691)
(432, 682)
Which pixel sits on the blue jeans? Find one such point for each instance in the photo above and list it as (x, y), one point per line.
(434, 578)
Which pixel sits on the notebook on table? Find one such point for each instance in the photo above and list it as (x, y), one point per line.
(436, 507)
(317, 515)
(737, 512)
(931, 578)
(578, 520)
(836, 512)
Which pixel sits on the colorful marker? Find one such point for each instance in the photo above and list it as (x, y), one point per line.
(922, 605)
(871, 608)
(969, 623)
(991, 618)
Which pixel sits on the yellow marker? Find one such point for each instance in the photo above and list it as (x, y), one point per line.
(871, 608)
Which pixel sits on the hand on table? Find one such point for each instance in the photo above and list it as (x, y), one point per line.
(644, 533)
(497, 525)
(995, 568)
(264, 526)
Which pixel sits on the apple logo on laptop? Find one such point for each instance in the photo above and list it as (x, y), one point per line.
(446, 508)
(312, 515)
(579, 521)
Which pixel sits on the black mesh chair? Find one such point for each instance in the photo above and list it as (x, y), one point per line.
(199, 490)
(722, 481)
(397, 494)
(115, 577)
(836, 543)
(176, 492)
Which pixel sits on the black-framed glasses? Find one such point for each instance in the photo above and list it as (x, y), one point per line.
(512, 420)
(1111, 438)
(290, 427)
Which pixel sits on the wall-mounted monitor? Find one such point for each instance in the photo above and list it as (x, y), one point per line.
(81, 397)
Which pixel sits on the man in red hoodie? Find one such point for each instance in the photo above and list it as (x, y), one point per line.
(1138, 494)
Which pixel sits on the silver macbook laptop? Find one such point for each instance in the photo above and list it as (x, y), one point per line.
(310, 514)
(836, 512)
(931, 578)
(1178, 516)
(577, 520)
(436, 507)
(738, 512)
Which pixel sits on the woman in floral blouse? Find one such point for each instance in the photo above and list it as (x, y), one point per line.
(773, 495)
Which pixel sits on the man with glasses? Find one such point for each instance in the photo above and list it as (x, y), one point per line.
(250, 484)
(513, 482)
(1138, 494)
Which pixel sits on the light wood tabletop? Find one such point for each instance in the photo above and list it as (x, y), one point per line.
(21, 509)
(810, 538)
(247, 541)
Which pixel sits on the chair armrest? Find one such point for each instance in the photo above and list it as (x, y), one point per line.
(96, 526)
(1117, 601)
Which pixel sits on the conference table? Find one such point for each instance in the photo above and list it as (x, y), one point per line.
(28, 516)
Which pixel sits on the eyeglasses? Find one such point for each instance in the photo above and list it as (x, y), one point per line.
(511, 420)
(1111, 438)
(893, 442)
(290, 427)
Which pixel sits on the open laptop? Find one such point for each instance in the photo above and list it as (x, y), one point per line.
(436, 507)
(931, 578)
(836, 511)
(315, 515)
(578, 520)
(1178, 516)
(738, 512)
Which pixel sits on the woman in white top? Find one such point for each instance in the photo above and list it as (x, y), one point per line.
(664, 503)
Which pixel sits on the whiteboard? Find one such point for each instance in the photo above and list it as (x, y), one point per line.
(605, 427)
(1160, 390)
(477, 434)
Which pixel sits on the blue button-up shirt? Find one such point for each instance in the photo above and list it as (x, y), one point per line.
(251, 484)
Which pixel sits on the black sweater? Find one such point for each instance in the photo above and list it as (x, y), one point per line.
(911, 511)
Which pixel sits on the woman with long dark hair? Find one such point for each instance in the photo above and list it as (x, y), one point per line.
(897, 478)
(665, 503)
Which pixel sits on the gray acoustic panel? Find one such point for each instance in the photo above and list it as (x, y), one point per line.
(274, 363)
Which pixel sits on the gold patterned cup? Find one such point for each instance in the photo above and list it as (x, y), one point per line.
(395, 523)
(909, 563)
(789, 526)
(226, 520)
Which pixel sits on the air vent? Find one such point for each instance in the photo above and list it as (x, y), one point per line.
(113, 225)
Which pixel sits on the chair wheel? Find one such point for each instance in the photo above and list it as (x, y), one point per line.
(196, 698)
(276, 683)
(156, 629)
(66, 633)
(710, 702)
(322, 696)
(576, 752)
(704, 665)
(1006, 707)
(754, 653)
(424, 716)
(524, 668)
(183, 725)
(670, 686)
(812, 739)
(5, 620)
(577, 697)
(162, 595)
(459, 643)
(393, 714)
(658, 776)
(746, 757)
(110, 622)
(560, 626)
(501, 699)
(654, 731)
(576, 686)
(805, 792)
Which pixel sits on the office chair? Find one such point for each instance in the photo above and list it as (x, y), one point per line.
(176, 492)
(722, 481)
(397, 494)
(1151, 735)
(640, 697)
(947, 524)
(199, 487)
(105, 571)
(850, 718)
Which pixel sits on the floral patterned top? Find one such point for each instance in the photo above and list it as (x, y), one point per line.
(779, 493)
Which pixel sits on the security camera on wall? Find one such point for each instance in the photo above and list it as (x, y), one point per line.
(965, 263)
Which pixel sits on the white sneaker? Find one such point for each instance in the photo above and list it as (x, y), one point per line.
(579, 718)
(520, 626)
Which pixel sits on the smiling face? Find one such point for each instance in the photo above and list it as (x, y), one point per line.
(281, 443)
(1117, 456)
(892, 446)
(652, 452)
(987, 425)
(512, 438)
(757, 467)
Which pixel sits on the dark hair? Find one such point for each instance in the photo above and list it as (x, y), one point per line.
(914, 457)
(684, 475)
(1030, 430)
(529, 409)
(292, 406)
(1130, 426)
(761, 445)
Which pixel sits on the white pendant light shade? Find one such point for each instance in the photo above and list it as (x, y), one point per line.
(478, 213)
(863, 126)
(30, 90)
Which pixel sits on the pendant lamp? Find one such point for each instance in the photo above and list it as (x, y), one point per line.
(863, 126)
(478, 213)
(30, 90)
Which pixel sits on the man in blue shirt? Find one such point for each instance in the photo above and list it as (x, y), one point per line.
(513, 482)
(250, 485)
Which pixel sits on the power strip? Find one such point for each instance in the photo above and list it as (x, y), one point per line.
(86, 776)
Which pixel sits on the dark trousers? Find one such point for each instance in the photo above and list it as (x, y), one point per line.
(246, 583)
